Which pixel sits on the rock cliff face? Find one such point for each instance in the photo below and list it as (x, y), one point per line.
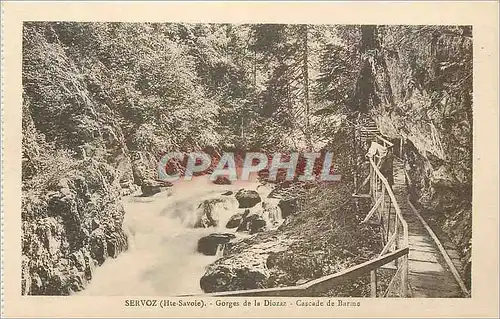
(422, 84)
(76, 165)
(100, 105)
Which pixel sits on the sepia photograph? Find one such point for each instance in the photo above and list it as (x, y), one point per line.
(176, 159)
(249, 159)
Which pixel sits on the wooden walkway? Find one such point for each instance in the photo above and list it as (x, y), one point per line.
(411, 248)
(429, 274)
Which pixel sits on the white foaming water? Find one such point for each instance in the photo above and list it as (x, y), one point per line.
(220, 251)
(162, 258)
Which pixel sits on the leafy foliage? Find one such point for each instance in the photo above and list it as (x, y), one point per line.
(97, 94)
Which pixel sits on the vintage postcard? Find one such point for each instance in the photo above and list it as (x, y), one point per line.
(249, 159)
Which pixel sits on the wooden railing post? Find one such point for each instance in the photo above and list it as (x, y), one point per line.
(384, 210)
(388, 231)
(396, 242)
(401, 147)
(373, 283)
(404, 277)
(382, 207)
(325, 283)
(372, 188)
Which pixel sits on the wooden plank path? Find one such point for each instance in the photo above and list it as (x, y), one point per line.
(429, 274)
(422, 265)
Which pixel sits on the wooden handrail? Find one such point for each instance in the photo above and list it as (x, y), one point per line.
(326, 283)
(393, 199)
(389, 144)
(372, 211)
(322, 284)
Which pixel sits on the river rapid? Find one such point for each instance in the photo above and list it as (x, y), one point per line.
(162, 258)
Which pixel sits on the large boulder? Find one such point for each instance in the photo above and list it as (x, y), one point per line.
(224, 278)
(151, 187)
(208, 245)
(288, 207)
(214, 211)
(243, 266)
(236, 219)
(247, 198)
(247, 271)
(253, 223)
(256, 224)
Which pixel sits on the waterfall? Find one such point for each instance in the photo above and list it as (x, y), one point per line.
(277, 215)
(272, 213)
(163, 257)
(220, 251)
(129, 233)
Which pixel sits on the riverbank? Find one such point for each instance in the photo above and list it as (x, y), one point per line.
(322, 238)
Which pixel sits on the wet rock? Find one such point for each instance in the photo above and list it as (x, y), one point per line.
(70, 228)
(128, 188)
(98, 246)
(209, 210)
(244, 266)
(151, 187)
(77, 283)
(246, 273)
(222, 180)
(236, 219)
(253, 223)
(126, 184)
(247, 198)
(207, 214)
(78, 260)
(208, 245)
(256, 224)
(116, 243)
(288, 207)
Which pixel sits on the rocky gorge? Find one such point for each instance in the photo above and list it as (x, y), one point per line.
(102, 102)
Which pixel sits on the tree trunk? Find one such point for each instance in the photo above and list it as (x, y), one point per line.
(305, 76)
